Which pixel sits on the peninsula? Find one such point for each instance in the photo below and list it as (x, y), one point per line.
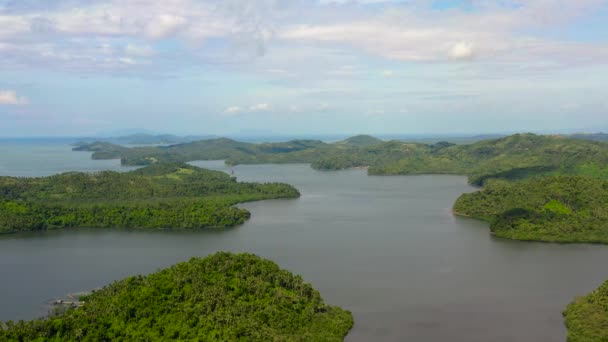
(159, 196)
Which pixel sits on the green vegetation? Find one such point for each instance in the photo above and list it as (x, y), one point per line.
(551, 208)
(587, 317)
(360, 140)
(514, 157)
(223, 297)
(171, 196)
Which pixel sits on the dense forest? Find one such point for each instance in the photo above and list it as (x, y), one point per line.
(223, 297)
(550, 208)
(513, 157)
(177, 196)
(587, 317)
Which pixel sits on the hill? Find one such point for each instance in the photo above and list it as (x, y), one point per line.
(587, 317)
(169, 196)
(551, 209)
(361, 140)
(513, 157)
(223, 297)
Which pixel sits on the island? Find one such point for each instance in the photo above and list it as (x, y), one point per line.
(223, 297)
(587, 317)
(565, 209)
(159, 196)
(513, 157)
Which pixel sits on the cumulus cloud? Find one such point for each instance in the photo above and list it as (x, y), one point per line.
(164, 25)
(462, 50)
(10, 97)
(64, 32)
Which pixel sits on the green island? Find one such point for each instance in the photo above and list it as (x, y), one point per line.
(159, 196)
(223, 297)
(513, 157)
(551, 208)
(587, 317)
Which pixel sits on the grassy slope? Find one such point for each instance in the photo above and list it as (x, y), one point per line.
(224, 297)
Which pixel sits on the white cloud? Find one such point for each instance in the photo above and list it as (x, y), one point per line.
(13, 25)
(139, 50)
(164, 25)
(10, 97)
(260, 107)
(388, 73)
(462, 50)
(401, 30)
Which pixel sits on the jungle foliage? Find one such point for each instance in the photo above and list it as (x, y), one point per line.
(223, 297)
(550, 208)
(587, 317)
(168, 196)
(514, 157)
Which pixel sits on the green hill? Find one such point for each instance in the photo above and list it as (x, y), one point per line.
(170, 196)
(514, 157)
(361, 140)
(587, 317)
(552, 209)
(224, 297)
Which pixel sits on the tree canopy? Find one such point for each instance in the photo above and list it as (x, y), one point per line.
(170, 196)
(223, 297)
(550, 208)
(587, 317)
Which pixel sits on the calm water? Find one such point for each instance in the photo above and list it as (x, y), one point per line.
(386, 248)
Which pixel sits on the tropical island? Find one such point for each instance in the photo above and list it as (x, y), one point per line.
(513, 157)
(159, 196)
(587, 317)
(571, 209)
(223, 297)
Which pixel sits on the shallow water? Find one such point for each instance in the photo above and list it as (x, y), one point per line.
(386, 248)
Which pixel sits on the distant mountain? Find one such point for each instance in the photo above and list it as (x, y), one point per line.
(590, 136)
(361, 140)
(144, 139)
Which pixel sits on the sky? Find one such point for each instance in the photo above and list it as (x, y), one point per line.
(302, 67)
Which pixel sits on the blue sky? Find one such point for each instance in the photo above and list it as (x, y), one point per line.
(301, 67)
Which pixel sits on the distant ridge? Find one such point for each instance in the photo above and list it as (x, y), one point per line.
(361, 140)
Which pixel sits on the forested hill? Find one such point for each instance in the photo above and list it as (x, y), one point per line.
(156, 196)
(587, 317)
(551, 208)
(512, 157)
(223, 297)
